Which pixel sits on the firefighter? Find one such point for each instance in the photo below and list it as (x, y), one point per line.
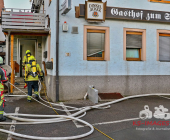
(33, 72)
(3, 79)
(25, 59)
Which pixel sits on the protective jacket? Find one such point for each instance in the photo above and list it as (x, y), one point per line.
(3, 76)
(32, 72)
(25, 60)
(3, 79)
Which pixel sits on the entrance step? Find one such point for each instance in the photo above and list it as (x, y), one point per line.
(19, 92)
(20, 86)
(19, 79)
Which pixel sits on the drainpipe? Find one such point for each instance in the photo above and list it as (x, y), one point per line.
(9, 43)
(57, 49)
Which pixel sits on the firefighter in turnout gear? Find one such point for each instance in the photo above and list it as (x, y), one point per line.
(3, 79)
(25, 61)
(33, 72)
(26, 58)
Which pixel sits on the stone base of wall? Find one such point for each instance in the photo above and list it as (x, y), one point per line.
(75, 87)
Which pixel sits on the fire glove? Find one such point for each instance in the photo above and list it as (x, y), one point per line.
(25, 86)
(41, 78)
(23, 67)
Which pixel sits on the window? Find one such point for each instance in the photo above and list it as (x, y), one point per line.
(161, 1)
(96, 43)
(134, 45)
(164, 47)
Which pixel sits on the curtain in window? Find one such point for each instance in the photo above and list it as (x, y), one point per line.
(95, 43)
(132, 53)
(164, 48)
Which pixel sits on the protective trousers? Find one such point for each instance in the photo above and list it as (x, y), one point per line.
(1, 101)
(32, 85)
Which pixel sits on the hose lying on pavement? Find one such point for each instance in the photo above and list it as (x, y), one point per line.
(61, 118)
(47, 121)
(55, 104)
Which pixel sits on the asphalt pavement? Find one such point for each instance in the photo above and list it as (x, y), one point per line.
(119, 122)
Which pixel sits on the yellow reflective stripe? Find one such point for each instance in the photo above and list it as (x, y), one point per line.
(1, 87)
(36, 93)
(1, 112)
(30, 78)
(1, 102)
(2, 96)
(29, 97)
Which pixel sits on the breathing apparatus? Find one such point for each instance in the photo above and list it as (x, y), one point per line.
(32, 62)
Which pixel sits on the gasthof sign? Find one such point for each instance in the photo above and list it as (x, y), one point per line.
(95, 10)
(137, 14)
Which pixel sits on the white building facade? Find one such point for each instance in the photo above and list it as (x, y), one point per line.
(119, 46)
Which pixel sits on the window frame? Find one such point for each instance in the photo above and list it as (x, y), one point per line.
(142, 51)
(162, 1)
(163, 33)
(139, 51)
(106, 54)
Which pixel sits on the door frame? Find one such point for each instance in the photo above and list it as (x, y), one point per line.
(18, 50)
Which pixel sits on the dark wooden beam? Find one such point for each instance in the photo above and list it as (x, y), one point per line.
(2, 53)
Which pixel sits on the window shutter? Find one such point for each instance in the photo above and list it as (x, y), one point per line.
(164, 48)
(133, 41)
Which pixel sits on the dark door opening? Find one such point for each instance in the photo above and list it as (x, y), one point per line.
(26, 44)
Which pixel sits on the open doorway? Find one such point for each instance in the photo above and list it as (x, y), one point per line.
(24, 45)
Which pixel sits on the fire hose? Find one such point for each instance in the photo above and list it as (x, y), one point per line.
(61, 118)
